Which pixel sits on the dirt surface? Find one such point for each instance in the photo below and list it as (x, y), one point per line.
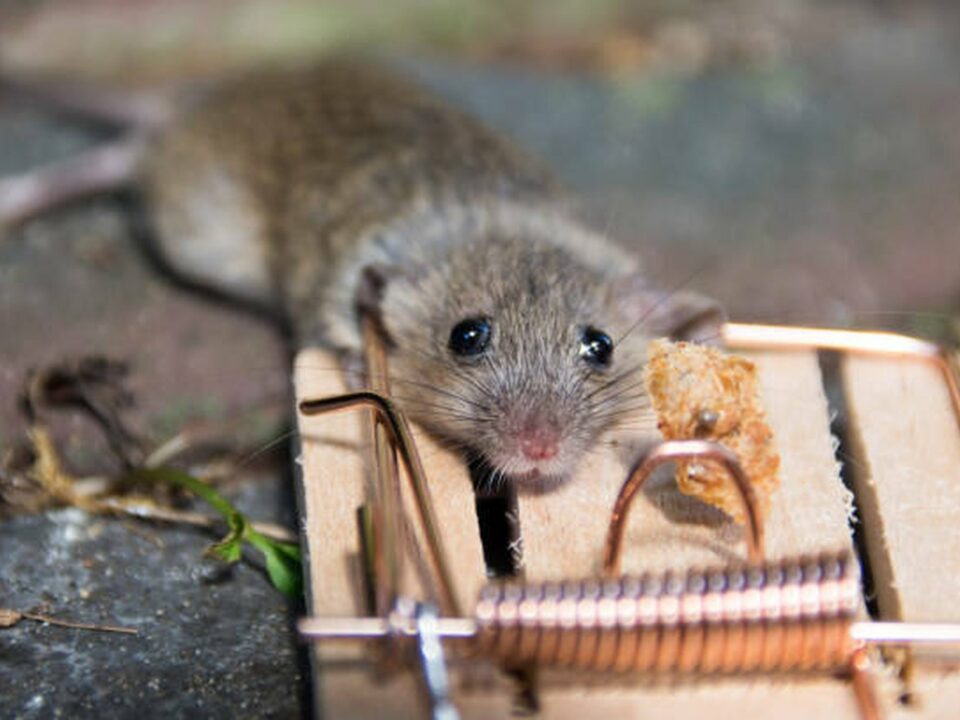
(811, 180)
(210, 642)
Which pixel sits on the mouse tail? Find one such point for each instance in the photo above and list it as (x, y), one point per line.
(125, 109)
(107, 168)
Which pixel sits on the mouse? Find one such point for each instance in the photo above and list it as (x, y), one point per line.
(514, 331)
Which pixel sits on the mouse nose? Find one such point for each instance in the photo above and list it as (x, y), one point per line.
(539, 443)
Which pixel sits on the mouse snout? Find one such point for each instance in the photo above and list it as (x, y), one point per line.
(539, 442)
(538, 438)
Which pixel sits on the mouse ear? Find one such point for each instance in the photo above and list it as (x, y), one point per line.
(689, 316)
(375, 280)
(371, 287)
(680, 315)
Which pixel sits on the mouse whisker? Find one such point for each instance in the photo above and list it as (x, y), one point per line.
(441, 391)
(440, 412)
(421, 401)
(496, 371)
(263, 449)
(461, 372)
(625, 403)
(667, 297)
(628, 424)
(628, 402)
(614, 392)
(630, 406)
(616, 379)
(604, 415)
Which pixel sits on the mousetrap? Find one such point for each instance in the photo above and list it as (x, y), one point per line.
(613, 595)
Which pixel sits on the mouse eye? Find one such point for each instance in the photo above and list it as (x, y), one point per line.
(470, 337)
(596, 347)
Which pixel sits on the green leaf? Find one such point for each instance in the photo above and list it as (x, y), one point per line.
(282, 560)
(179, 478)
(285, 571)
(229, 549)
(288, 549)
(284, 567)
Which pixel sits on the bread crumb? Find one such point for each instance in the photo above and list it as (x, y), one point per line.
(701, 393)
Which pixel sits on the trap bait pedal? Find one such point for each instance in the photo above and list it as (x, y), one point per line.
(692, 627)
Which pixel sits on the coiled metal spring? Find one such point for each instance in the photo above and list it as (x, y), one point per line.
(784, 616)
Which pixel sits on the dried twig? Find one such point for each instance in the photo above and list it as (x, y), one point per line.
(9, 618)
(146, 509)
(95, 386)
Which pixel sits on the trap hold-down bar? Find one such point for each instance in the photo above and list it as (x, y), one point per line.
(791, 615)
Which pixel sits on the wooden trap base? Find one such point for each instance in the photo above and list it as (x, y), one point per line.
(907, 475)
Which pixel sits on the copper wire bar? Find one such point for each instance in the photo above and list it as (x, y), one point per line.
(863, 687)
(907, 633)
(360, 628)
(748, 336)
(945, 635)
(402, 437)
(388, 520)
(682, 450)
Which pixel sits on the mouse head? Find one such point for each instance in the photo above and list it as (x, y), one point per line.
(522, 356)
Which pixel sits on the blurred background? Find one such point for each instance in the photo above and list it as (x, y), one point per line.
(799, 160)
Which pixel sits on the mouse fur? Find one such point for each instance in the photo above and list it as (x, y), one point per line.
(343, 188)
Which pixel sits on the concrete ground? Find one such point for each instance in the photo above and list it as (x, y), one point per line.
(816, 185)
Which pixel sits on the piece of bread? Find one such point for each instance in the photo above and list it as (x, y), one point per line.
(702, 393)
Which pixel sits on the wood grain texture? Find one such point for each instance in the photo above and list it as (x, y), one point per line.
(935, 696)
(333, 484)
(908, 463)
(722, 700)
(906, 445)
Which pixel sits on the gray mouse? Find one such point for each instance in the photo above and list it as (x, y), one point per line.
(514, 332)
